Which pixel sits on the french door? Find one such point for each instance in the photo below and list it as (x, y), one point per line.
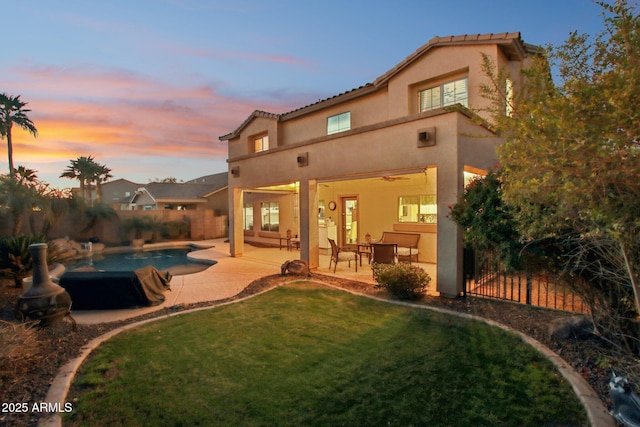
(349, 235)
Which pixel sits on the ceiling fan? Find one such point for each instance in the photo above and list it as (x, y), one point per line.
(392, 178)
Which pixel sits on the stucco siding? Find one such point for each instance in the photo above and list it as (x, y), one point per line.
(391, 149)
(438, 66)
(243, 145)
(366, 110)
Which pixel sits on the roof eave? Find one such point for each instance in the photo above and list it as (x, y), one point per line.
(252, 116)
(330, 102)
(510, 43)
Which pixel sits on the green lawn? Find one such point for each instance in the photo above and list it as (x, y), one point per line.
(304, 355)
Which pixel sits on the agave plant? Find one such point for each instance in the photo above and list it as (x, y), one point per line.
(15, 257)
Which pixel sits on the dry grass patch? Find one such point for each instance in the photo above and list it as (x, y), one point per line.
(19, 347)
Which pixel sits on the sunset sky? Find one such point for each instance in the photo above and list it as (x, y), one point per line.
(147, 86)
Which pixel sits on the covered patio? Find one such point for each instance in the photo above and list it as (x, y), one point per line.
(349, 210)
(276, 257)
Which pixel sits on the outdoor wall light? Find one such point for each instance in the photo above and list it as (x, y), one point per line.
(427, 137)
(235, 171)
(303, 159)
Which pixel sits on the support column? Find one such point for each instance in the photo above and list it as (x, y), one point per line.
(309, 248)
(449, 260)
(236, 229)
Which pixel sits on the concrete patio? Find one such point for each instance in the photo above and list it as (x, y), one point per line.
(229, 276)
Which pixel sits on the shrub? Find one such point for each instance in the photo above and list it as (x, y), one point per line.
(15, 257)
(140, 224)
(177, 229)
(402, 280)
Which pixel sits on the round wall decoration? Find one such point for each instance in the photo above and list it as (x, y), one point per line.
(332, 205)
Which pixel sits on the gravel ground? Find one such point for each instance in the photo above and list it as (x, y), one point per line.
(25, 375)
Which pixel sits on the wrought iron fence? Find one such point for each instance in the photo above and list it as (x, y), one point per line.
(485, 276)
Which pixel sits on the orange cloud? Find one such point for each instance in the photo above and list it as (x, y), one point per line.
(119, 116)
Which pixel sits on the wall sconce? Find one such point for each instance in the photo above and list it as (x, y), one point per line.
(303, 159)
(427, 137)
(235, 171)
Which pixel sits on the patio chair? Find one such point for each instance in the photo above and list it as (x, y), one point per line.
(383, 253)
(339, 254)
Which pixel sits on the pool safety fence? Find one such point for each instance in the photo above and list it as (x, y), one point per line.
(485, 276)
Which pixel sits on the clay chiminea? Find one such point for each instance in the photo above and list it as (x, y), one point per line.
(44, 300)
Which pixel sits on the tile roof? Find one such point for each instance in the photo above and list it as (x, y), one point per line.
(511, 43)
(253, 115)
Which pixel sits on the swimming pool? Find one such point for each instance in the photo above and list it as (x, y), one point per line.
(162, 259)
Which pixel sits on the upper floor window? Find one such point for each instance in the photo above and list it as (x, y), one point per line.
(509, 97)
(261, 143)
(339, 123)
(449, 93)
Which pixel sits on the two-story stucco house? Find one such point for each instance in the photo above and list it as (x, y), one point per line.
(391, 155)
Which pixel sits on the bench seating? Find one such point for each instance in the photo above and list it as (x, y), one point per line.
(287, 242)
(407, 244)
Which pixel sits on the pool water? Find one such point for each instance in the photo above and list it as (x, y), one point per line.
(162, 259)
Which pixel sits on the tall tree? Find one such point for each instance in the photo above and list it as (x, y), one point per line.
(101, 174)
(488, 222)
(86, 170)
(571, 163)
(12, 112)
(79, 169)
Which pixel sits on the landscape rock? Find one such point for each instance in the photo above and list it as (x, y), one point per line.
(297, 267)
(564, 328)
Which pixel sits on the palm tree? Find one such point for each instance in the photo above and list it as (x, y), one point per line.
(87, 171)
(76, 171)
(101, 174)
(26, 176)
(12, 111)
(80, 169)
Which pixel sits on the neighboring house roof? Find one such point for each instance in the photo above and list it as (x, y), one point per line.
(174, 192)
(216, 180)
(120, 180)
(194, 191)
(511, 44)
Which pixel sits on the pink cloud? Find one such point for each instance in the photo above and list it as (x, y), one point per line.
(116, 115)
(174, 48)
(93, 82)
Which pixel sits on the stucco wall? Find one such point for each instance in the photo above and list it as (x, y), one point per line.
(205, 224)
(383, 140)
